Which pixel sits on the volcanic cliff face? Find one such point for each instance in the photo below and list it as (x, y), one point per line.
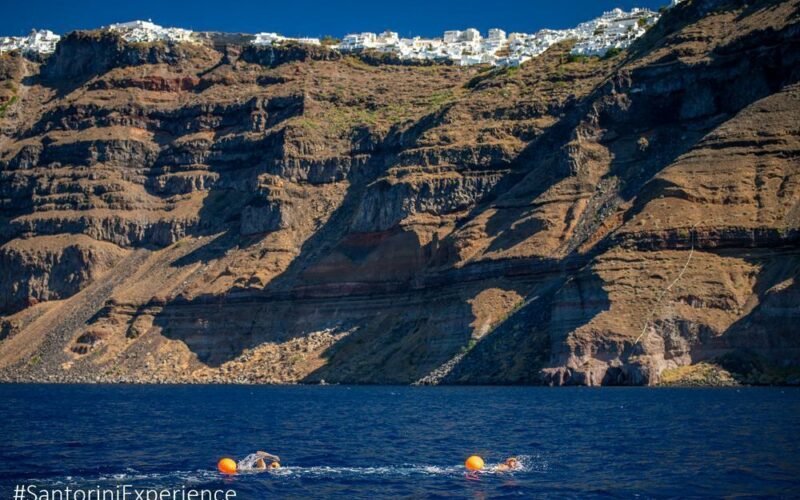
(223, 212)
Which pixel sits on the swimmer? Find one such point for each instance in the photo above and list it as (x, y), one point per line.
(510, 464)
(258, 461)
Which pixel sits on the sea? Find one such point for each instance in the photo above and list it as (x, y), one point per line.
(398, 442)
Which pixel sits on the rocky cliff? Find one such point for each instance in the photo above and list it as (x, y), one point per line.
(217, 212)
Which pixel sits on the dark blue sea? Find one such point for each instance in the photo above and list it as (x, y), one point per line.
(380, 442)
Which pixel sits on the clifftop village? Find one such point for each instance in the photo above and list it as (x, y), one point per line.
(615, 29)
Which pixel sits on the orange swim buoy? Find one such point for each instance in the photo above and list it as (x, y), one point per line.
(474, 463)
(226, 466)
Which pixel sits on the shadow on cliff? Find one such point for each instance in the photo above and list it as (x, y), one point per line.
(770, 328)
(344, 359)
(398, 347)
(646, 119)
(738, 74)
(312, 250)
(536, 334)
(410, 339)
(642, 133)
(234, 160)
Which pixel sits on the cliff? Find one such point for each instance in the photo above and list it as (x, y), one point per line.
(218, 212)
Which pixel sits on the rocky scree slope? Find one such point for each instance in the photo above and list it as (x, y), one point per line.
(225, 213)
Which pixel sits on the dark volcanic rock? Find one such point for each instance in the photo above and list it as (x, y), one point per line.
(275, 55)
(83, 54)
(222, 212)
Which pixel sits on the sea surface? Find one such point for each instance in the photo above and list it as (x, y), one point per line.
(381, 442)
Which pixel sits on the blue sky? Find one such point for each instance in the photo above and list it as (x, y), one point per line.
(310, 17)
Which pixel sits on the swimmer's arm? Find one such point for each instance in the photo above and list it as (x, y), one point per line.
(264, 454)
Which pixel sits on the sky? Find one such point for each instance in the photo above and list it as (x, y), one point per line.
(310, 17)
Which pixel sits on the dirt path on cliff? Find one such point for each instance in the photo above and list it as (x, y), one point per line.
(49, 333)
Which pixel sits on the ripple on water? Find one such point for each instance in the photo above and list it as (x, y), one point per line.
(367, 442)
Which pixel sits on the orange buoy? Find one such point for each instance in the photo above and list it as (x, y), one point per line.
(226, 466)
(474, 463)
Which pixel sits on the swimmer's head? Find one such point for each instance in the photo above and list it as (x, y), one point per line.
(512, 462)
(274, 465)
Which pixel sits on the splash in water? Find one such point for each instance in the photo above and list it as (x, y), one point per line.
(527, 463)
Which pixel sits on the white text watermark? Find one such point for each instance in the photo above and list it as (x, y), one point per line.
(119, 492)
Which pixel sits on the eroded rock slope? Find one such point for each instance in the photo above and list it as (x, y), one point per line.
(214, 212)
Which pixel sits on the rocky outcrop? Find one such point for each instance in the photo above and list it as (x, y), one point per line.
(137, 231)
(266, 216)
(388, 202)
(275, 55)
(47, 268)
(83, 54)
(220, 212)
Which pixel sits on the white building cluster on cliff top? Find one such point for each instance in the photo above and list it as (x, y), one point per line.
(274, 38)
(615, 29)
(37, 42)
(147, 31)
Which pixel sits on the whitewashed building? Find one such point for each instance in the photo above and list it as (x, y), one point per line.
(147, 31)
(613, 29)
(359, 41)
(267, 38)
(37, 42)
(275, 38)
